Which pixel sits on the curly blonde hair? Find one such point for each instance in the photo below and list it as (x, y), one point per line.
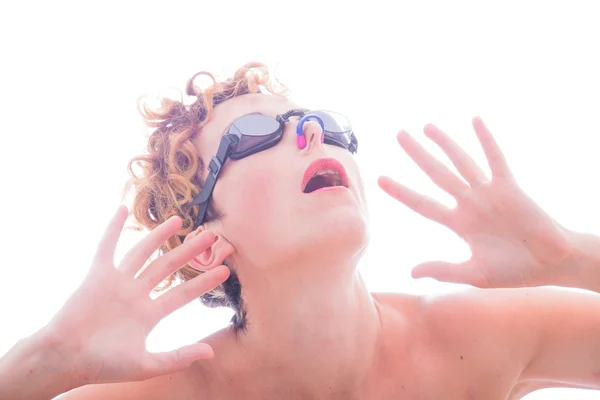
(167, 177)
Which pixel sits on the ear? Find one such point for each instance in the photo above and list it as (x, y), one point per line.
(214, 255)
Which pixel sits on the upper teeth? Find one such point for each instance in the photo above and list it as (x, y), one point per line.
(326, 171)
(334, 179)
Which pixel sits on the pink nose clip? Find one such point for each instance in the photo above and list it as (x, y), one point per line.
(300, 137)
(301, 140)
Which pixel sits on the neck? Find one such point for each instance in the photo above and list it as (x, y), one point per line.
(316, 325)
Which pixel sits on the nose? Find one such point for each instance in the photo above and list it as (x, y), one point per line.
(309, 131)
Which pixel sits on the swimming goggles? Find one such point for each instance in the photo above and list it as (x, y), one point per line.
(256, 132)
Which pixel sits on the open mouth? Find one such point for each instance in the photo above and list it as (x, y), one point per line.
(323, 179)
(325, 172)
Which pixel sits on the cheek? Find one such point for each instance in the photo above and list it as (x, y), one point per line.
(253, 201)
(256, 196)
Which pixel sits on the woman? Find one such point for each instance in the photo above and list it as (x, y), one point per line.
(253, 181)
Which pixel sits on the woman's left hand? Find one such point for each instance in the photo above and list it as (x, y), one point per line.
(513, 242)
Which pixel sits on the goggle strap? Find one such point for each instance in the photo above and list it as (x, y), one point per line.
(353, 147)
(215, 166)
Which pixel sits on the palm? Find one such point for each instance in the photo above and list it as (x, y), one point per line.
(107, 320)
(512, 240)
(119, 320)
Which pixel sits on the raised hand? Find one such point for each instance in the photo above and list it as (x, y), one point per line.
(513, 242)
(104, 325)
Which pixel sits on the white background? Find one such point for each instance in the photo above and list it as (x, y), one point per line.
(70, 74)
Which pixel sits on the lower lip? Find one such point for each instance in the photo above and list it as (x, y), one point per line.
(329, 189)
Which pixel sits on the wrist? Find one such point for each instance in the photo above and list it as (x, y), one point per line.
(581, 269)
(39, 367)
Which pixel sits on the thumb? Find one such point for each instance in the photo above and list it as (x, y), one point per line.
(446, 272)
(155, 364)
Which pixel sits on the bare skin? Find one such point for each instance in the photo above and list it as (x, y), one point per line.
(314, 331)
(444, 348)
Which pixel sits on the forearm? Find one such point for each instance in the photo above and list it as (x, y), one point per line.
(582, 268)
(35, 368)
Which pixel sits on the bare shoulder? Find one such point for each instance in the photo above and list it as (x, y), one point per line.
(162, 387)
(458, 316)
(472, 337)
(126, 390)
(483, 322)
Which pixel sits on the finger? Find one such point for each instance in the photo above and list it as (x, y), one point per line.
(170, 262)
(417, 202)
(496, 159)
(186, 292)
(155, 364)
(105, 253)
(437, 171)
(449, 272)
(137, 256)
(465, 165)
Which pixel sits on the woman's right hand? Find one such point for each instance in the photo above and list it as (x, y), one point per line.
(102, 328)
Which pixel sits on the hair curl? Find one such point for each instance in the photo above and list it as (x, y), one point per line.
(167, 177)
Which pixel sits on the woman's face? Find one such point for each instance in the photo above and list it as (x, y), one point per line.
(267, 217)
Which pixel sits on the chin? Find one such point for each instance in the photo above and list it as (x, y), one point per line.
(336, 238)
(343, 228)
